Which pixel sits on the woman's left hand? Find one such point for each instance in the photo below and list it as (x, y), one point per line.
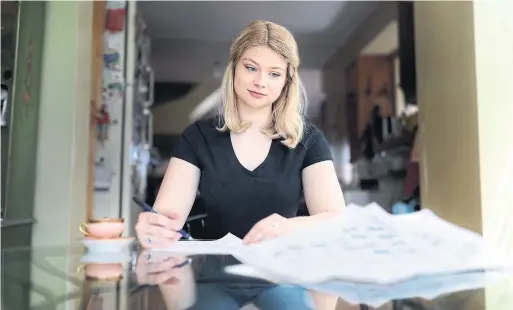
(270, 227)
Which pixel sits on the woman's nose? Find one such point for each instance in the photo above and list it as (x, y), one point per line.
(259, 80)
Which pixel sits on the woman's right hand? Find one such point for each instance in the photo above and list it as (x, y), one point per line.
(176, 284)
(158, 268)
(157, 230)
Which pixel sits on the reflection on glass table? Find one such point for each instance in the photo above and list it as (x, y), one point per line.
(70, 278)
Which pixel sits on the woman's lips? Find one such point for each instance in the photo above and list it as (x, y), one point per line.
(256, 94)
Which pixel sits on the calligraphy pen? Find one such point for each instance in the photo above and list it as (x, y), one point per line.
(146, 207)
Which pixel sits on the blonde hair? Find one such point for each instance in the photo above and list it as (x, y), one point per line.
(287, 112)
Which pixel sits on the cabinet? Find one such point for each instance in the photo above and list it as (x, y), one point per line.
(369, 82)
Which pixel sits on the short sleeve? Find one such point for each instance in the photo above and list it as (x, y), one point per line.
(317, 148)
(186, 146)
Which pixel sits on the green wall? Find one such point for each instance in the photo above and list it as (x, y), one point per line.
(21, 179)
(21, 173)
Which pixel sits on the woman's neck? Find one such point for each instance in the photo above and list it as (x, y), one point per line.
(259, 118)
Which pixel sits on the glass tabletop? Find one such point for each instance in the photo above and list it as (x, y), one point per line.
(69, 277)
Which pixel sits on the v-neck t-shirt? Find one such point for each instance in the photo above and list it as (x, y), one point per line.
(236, 198)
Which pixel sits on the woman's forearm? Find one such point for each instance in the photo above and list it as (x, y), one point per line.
(180, 295)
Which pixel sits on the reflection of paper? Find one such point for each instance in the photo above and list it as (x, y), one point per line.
(366, 244)
(427, 287)
(226, 245)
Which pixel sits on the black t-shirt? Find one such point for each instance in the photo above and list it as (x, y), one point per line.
(236, 198)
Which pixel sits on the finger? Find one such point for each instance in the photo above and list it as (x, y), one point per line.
(269, 233)
(143, 259)
(263, 223)
(164, 221)
(150, 241)
(158, 278)
(141, 277)
(257, 230)
(260, 225)
(154, 230)
(145, 229)
(172, 281)
(148, 218)
(158, 258)
(141, 273)
(260, 234)
(162, 266)
(254, 234)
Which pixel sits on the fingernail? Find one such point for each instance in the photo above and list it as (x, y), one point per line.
(173, 281)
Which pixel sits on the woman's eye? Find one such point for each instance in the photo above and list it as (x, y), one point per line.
(250, 68)
(275, 74)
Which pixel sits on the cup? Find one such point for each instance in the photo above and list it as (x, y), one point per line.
(105, 228)
(106, 272)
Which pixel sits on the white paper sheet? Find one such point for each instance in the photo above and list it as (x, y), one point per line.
(366, 244)
(226, 245)
(362, 244)
(428, 287)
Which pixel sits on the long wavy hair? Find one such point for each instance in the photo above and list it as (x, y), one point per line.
(287, 120)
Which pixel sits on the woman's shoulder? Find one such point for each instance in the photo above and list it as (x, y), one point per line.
(202, 127)
(311, 133)
(315, 145)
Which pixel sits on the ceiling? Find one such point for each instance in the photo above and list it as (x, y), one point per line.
(192, 34)
(386, 42)
(321, 23)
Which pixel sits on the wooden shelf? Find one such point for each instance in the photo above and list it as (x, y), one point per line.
(99, 14)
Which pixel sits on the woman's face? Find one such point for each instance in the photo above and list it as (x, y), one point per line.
(260, 76)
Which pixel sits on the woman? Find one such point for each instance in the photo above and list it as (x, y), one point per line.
(251, 163)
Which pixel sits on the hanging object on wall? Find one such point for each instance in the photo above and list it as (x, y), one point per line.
(116, 19)
(112, 85)
(103, 123)
(113, 81)
(111, 59)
